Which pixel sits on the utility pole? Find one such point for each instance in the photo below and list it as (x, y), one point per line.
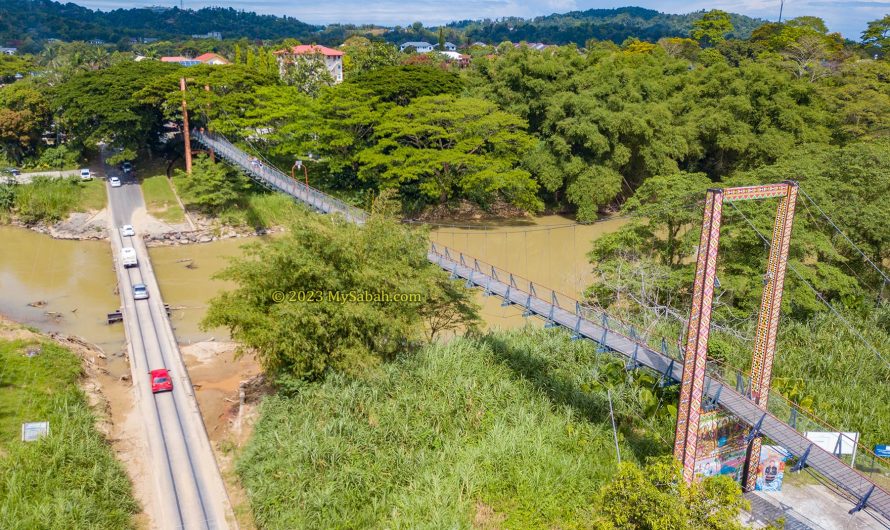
(185, 130)
(781, 8)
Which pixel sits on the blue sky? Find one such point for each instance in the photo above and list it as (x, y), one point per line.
(846, 16)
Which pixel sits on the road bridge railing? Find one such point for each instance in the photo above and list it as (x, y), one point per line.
(561, 310)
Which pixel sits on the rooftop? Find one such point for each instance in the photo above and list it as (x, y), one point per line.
(311, 49)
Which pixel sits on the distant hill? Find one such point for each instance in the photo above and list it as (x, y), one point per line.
(28, 23)
(37, 20)
(601, 24)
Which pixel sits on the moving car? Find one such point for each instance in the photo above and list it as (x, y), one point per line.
(128, 258)
(115, 182)
(86, 174)
(160, 381)
(140, 291)
(128, 231)
(127, 167)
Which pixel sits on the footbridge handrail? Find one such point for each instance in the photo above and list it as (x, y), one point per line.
(558, 309)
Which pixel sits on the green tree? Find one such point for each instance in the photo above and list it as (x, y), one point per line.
(878, 33)
(712, 27)
(323, 258)
(211, 186)
(401, 84)
(656, 497)
(441, 45)
(363, 55)
(441, 147)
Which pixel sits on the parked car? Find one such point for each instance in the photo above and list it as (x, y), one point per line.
(128, 231)
(140, 291)
(128, 258)
(115, 182)
(127, 167)
(12, 171)
(160, 381)
(86, 174)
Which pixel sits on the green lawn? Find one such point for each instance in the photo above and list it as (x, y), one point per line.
(503, 429)
(69, 479)
(92, 196)
(160, 200)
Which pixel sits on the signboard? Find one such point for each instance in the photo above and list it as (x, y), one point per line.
(882, 451)
(836, 443)
(771, 470)
(34, 430)
(721, 446)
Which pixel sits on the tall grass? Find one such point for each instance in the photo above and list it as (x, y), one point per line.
(504, 428)
(51, 200)
(69, 479)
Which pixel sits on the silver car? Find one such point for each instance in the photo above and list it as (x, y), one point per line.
(140, 291)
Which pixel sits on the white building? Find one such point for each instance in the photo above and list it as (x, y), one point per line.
(210, 35)
(419, 46)
(9, 51)
(450, 47)
(333, 59)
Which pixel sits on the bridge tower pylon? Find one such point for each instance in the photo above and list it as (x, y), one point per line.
(689, 408)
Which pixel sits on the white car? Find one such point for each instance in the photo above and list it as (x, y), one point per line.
(140, 291)
(115, 182)
(128, 231)
(86, 174)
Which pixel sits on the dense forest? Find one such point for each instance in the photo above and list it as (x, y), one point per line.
(637, 129)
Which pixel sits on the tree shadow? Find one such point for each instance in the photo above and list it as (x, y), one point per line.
(593, 406)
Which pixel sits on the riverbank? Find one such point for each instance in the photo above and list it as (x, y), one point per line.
(63, 380)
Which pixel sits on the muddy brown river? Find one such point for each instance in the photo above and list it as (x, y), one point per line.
(72, 284)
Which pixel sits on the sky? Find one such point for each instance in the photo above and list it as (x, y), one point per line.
(849, 17)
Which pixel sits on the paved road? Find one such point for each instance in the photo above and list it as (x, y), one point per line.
(187, 488)
(26, 178)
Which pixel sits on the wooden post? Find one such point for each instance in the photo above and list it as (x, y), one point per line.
(185, 130)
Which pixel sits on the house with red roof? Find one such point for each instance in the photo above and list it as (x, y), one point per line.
(212, 58)
(333, 59)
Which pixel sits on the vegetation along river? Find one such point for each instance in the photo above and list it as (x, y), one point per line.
(72, 283)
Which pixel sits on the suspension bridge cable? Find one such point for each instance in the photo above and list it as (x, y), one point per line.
(841, 232)
(817, 293)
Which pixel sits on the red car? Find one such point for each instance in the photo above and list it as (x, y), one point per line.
(160, 381)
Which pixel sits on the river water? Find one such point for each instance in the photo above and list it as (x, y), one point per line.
(74, 282)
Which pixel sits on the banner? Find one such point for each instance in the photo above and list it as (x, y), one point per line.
(771, 470)
(721, 446)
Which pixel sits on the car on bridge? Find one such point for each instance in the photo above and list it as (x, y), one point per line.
(128, 258)
(115, 182)
(160, 381)
(128, 231)
(140, 291)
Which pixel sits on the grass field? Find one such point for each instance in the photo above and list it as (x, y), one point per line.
(69, 479)
(498, 432)
(160, 201)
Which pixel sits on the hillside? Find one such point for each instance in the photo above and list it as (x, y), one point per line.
(601, 24)
(28, 23)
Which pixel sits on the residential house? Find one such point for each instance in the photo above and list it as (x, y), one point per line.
(450, 47)
(212, 58)
(184, 61)
(419, 46)
(333, 59)
(462, 60)
(8, 51)
(209, 35)
(207, 58)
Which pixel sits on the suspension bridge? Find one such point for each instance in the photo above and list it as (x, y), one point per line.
(560, 310)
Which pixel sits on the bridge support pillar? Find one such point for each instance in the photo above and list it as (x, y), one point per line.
(691, 386)
(768, 322)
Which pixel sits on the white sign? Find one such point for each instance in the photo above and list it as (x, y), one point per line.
(829, 441)
(34, 430)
